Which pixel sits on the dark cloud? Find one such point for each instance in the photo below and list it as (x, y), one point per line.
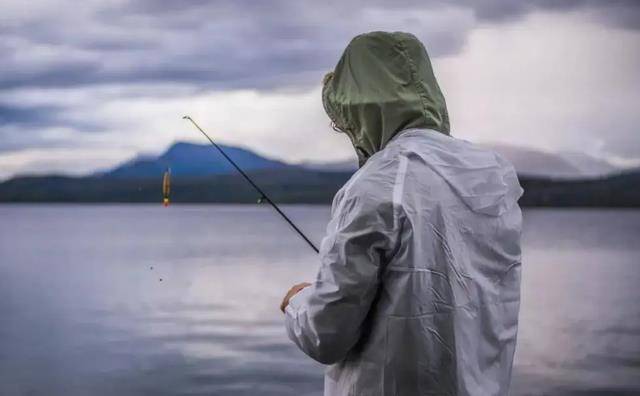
(236, 44)
(167, 48)
(617, 13)
(30, 116)
(40, 116)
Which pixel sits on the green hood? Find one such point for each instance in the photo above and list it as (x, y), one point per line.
(382, 85)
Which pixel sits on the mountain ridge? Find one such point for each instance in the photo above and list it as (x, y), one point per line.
(200, 174)
(193, 160)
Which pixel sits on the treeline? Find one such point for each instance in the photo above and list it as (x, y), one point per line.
(621, 190)
(294, 186)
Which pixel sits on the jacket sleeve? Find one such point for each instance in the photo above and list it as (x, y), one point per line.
(325, 319)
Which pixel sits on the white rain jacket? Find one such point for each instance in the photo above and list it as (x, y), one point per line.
(418, 289)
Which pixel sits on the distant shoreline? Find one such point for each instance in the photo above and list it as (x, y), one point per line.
(293, 186)
(289, 205)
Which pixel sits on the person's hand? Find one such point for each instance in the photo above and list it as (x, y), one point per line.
(292, 292)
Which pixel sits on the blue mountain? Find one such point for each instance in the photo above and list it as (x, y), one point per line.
(193, 160)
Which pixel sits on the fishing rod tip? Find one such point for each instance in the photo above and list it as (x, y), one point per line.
(185, 117)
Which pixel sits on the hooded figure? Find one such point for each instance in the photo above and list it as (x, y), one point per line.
(418, 289)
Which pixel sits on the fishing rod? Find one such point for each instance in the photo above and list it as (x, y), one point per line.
(263, 196)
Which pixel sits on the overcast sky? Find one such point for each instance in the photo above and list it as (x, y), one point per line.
(87, 84)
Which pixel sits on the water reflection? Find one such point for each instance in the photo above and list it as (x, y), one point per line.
(85, 314)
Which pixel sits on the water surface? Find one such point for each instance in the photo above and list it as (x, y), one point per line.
(83, 313)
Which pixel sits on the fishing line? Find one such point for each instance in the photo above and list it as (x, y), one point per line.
(263, 196)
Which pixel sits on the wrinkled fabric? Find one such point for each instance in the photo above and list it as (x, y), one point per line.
(418, 288)
(382, 84)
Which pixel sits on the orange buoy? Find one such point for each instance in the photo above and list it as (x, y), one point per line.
(166, 187)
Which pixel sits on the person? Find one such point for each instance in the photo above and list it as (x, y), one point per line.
(418, 289)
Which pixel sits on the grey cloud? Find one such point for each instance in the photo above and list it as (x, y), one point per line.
(12, 141)
(617, 13)
(51, 75)
(40, 116)
(234, 44)
(31, 116)
(224, 45)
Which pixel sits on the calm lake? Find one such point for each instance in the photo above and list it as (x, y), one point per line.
(140, 299)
